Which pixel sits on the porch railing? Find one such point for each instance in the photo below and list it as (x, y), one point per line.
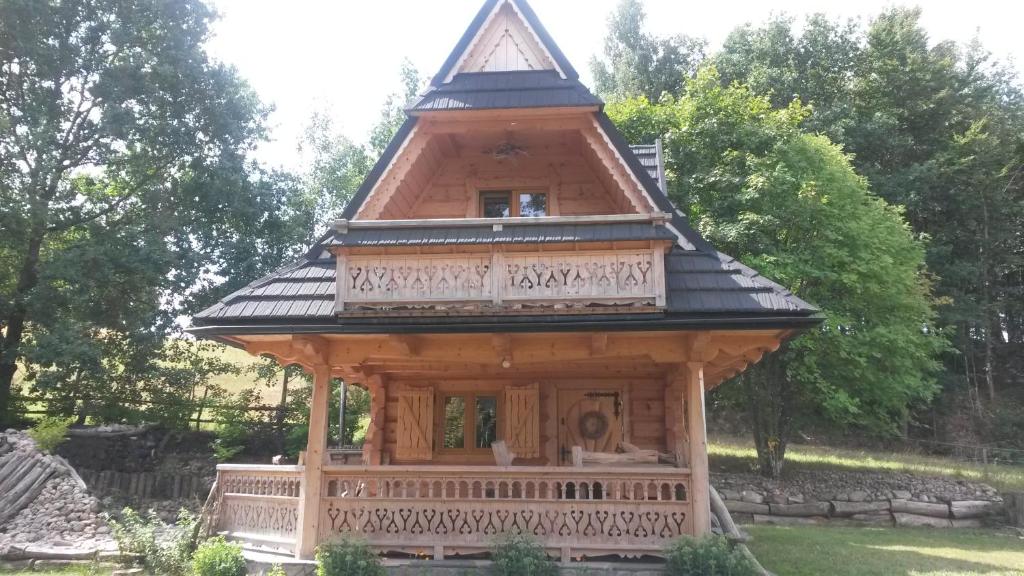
(445, 510)
(260, 504)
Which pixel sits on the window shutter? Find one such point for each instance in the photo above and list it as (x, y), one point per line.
(522, 420)
(415, 424)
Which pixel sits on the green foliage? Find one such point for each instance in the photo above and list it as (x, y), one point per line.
(218, 557)
(790, 205)
(125, 181)
(161, 548)
(520, 555)
(348, 557)
(935, 128)
(49, 432)
(638, 64)
(707, 556)
(277, 570)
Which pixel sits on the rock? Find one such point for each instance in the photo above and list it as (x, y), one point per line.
(916, 520)
(843, 496)
(128, 572)
(796, 499)
(45, 565)
(884, 519)
(901, 495)
(840, 508)
(921, 508)
(777, 498)
(803, 510)
(752, 497)
(727, 494)
(974, 508)
(788, 520)
(737, 506)
(858, 496)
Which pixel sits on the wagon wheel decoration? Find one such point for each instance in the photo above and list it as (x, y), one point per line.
(593, 424)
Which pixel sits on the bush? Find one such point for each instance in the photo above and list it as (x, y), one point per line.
(277, 570)
(163, 549)
(218, 557)
(707, 556)
(349, 557)
(520, 555)
(49, 432)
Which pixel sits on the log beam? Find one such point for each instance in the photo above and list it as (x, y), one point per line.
(312, 473)
(700, 478)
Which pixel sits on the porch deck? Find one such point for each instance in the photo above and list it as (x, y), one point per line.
(453, 510)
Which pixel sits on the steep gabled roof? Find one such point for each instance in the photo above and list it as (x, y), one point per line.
(704, 287)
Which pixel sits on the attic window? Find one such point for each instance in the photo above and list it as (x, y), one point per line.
(506, 203)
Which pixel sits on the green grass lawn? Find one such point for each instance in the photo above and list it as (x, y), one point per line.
(730, 454)
(836, 551)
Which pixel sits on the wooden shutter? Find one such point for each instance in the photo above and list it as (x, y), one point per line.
(415, 424)
(522, 420)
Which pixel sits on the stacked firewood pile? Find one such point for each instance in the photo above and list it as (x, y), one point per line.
(42, 498)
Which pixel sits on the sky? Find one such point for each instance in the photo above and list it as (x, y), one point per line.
(342, 57)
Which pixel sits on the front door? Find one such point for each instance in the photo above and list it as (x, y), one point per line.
(591, 419)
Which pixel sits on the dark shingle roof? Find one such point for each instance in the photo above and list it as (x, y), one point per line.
(508, 234)
(520, 89)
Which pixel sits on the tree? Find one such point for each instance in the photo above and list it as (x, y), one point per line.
(638, 64)
(790, 205)
(936, 128)
(393, 112)
(117, 133)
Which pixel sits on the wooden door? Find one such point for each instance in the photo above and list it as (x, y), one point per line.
(591, 419)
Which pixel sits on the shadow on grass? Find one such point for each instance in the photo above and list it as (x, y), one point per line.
(805, 551)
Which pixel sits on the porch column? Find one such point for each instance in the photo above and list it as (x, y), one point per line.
(700, 493)
(316, 448)
(373, 445)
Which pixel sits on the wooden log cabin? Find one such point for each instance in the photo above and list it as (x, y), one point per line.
(534, 320)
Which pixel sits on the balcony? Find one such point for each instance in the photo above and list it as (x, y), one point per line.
(522, 265)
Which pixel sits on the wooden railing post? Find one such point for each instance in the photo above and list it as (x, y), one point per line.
(312, 474)
(700, 492)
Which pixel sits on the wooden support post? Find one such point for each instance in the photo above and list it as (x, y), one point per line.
(700, 480)
(373, 445)
(676, 434)
(316, 449)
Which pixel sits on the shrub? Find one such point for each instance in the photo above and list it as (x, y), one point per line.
(520, 555)
(163, 549)
(49, 432)
(708, 556)
(218, 557)
(277, 570)
(349, 557)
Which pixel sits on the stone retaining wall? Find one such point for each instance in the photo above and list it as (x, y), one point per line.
(751, 507)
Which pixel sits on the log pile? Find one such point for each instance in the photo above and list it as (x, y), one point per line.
(23, 473)
(42, 500)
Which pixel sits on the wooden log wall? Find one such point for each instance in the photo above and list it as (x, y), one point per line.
(643, 419)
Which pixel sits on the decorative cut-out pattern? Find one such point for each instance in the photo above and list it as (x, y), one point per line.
(598, 276)
(613, 277)
(259, 515)
(465, 509)
(391, 279)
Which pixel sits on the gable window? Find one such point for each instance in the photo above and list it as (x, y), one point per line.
(469, 422)
(510, 203)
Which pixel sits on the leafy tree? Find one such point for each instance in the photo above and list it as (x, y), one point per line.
(639, 64)
(935, 128)
(122, 165)
(789, 204)
(393, 113)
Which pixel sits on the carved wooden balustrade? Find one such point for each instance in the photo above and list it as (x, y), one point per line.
(510, 280)
(457, 509)
(259, 504)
